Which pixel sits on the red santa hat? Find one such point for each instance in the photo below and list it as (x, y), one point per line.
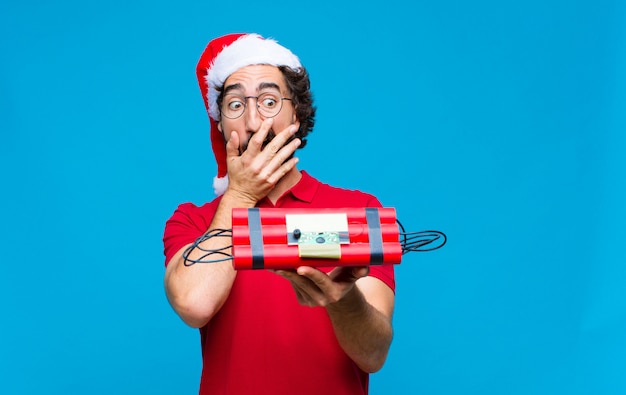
(222, 57)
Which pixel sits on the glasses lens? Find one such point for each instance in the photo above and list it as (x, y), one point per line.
(269, 104)
(233, 106)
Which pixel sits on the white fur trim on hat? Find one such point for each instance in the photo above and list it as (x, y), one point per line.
(220, 184)
(247, 50)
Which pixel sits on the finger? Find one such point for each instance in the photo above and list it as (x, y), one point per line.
(342, 274)
(302, 297)
(284, 167)
(284, 272)
(232, 146)
(278, 163)
(306, 292)
(281, 140)
(315, 278)
(361, 271)
(348, 274)
(309, 272)
(257, 139)
(305, 280)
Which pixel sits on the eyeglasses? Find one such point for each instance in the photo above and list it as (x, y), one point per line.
(268, 104)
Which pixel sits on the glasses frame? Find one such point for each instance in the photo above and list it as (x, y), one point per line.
(256, 102)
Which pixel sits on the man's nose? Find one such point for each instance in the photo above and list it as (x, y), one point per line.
(252, 117)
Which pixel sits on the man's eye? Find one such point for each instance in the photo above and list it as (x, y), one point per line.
(235, 105)
(269, 102)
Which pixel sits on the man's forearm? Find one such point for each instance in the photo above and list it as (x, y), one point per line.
(363, 332)
(198, 291)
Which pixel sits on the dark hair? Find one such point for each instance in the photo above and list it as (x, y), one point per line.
(299, 86)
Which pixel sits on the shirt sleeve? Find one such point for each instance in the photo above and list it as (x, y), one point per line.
(184, 226)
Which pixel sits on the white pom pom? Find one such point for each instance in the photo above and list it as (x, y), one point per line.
(220, 184)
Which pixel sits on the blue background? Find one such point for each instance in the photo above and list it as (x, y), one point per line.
(500, 123)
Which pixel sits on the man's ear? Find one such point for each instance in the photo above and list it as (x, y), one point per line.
(219, 127)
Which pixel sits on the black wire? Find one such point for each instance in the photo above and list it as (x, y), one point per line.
(415, 241)
(409, 241)
(219, 252)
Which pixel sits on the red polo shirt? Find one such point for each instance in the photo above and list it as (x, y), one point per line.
(262, 341)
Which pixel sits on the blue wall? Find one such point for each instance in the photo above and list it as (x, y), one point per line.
(501, 124)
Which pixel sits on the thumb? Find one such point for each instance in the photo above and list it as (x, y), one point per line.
(348, 273)
(362, 271)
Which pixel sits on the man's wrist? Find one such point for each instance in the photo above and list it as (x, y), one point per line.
(239, 199)
(352, 303)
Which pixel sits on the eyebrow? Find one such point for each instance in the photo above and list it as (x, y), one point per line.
(262, 86)
(268, 85)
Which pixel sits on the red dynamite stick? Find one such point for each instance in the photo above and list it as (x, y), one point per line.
(269, 247)
(277, 215)
(286, 256)
(277, 234)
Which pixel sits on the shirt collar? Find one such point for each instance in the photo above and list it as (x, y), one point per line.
(305, 189)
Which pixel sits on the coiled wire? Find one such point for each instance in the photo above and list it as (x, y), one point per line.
(409, 241)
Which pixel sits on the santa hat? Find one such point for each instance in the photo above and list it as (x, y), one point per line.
(222, 57)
